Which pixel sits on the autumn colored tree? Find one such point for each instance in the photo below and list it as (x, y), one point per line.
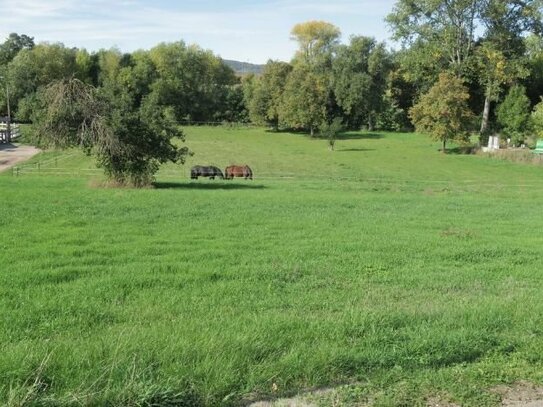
(316, 41)
(443, 112)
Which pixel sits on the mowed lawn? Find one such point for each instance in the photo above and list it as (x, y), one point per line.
(385, 267)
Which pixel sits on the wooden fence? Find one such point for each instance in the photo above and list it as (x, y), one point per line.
(8, 130)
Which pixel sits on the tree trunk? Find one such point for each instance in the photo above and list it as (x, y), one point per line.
(486, 114)
(370, 123)
(311, 131)
(444, 143)
(8, 130)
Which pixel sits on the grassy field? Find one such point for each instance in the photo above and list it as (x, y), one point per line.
(386, 269)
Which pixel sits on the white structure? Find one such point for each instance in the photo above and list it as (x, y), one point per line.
(493, 144)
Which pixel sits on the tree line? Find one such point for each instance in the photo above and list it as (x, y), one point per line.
(463, 66)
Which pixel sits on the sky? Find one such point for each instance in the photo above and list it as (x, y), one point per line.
(243, 30)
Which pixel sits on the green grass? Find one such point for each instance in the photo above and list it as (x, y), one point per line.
(385, 266)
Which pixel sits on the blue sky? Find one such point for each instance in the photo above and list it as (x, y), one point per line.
(250, 31)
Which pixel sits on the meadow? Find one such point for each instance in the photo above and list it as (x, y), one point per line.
(385, 269)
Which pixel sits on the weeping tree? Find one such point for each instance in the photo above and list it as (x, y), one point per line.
(128, 140)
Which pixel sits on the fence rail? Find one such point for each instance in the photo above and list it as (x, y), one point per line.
(37, 169)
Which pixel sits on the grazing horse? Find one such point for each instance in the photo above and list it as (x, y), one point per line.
(238, 171)
(205, 171)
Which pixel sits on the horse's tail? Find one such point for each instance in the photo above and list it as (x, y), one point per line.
(249, 172)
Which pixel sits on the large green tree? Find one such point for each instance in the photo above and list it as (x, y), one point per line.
(506, 22)
(12, 45)
(534, 63)
(304, 99)
(194, 82)
(359, 79)
(307, 95)
(33, 69)
(513, 114)
(265, 102)
(437, 34)
(495, 70)
(441, 35)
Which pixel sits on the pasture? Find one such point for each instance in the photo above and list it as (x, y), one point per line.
(386, 269)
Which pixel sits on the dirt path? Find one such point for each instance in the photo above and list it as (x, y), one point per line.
(11, 154)
(520, 394)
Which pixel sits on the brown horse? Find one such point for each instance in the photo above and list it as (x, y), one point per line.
(238, 171)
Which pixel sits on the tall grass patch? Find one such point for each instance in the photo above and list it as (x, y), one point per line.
(384, 264)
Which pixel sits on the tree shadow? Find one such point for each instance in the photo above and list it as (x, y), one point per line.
(8, 147)
(464, 150)
(345, 150)
(207, 185)
(352, 135)
(300, 132)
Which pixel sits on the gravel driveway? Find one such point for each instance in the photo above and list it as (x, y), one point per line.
(11, 154)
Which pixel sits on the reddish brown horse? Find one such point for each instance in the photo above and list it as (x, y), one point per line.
(238, 171)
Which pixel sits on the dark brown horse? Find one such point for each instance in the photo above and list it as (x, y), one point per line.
(238, 171)
(205, 171)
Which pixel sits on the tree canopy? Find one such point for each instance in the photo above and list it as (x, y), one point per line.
(443, 112)
(480, 48)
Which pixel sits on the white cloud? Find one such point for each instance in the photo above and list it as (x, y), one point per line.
(253, 32)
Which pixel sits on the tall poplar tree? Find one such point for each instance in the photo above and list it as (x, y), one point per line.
(304, 101)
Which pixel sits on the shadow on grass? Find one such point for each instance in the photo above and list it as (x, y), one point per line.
(207, 185)
(347, 135)
(464, 150)
(346, 150)
(287, 131)
(352, 135)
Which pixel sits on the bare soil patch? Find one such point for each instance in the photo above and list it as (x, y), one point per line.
(11, 154)
(521, 394)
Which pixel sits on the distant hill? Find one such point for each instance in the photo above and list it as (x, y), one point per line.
(244, 68)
